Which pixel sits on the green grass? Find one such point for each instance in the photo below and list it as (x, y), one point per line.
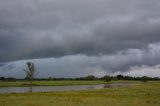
(143, 94)
(49, 83)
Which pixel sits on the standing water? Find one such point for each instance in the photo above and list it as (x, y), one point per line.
(58, 88)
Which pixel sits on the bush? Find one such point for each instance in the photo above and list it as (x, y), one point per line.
(91, 77)
(107, 78)
(144, 79)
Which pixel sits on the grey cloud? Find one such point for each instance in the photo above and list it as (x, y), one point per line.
(124, 62)
(54, 28)
(144, 70)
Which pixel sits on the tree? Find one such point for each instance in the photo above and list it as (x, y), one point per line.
(144, 79)
(30, 71)
(107, 78)
(90, 77)
(120, 77)
(2, 78)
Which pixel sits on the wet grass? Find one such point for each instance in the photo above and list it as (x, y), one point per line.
(48, 83)
(57, 83)
(143, 94)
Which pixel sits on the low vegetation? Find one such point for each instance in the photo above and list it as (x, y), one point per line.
(143, 94)
(48, 83)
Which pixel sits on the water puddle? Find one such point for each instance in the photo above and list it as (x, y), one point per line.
(59, 88)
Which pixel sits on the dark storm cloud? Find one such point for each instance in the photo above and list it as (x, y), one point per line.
(133, 62)
(99, 29)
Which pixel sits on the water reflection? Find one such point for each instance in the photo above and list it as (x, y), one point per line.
(116, 85)
(30, 89)
(58, 88)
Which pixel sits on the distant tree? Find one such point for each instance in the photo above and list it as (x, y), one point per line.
(107, 78)
(90, 77)
(30, 71)
(120, 77)
(50, 78)
(2, 78)
(11, 79)
(144, 79)
(128, 78)
(156, 78)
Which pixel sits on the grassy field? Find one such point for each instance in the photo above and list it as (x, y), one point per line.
(143, 94)
(49, 83)
(56, 83)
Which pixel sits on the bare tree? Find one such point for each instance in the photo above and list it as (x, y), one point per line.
(30, 71)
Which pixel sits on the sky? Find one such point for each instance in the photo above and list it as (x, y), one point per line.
(76, 38)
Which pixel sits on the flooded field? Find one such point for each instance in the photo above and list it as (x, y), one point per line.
(58, 88)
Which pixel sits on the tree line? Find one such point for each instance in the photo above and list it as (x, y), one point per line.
(31, 73)
(88, 78)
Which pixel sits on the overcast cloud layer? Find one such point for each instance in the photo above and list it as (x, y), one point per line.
(96, 36)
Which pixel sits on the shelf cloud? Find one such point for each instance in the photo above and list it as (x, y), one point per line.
(109, 35)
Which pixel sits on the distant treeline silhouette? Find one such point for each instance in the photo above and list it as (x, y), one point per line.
(89, 78)
(7, 79)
